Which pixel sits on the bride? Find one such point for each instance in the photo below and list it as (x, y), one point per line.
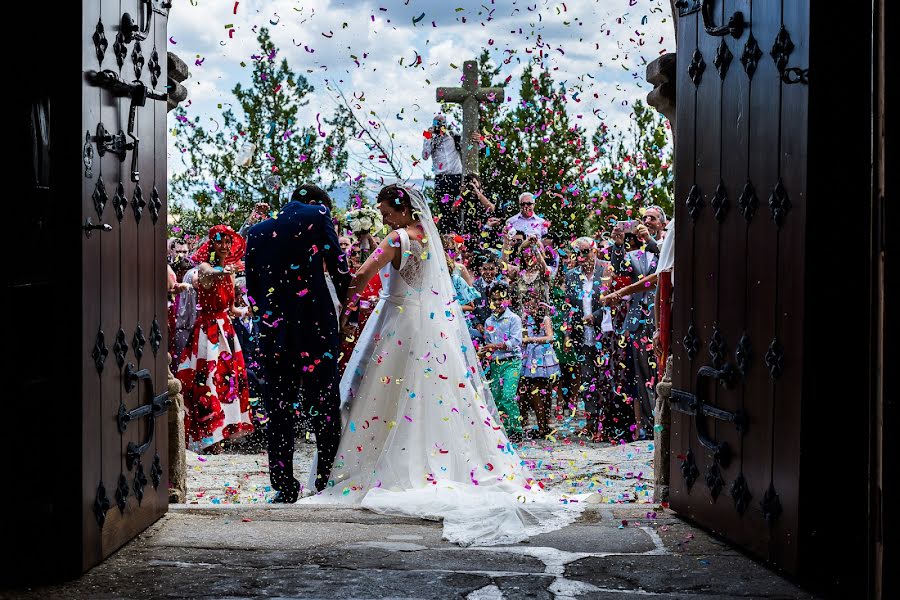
(421, 435)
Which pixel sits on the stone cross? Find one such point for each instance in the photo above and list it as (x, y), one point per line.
(469, 95)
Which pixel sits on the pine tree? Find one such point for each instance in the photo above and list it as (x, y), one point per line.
(224, 183)
(636, 168)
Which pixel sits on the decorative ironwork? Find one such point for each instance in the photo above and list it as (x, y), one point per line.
(154, 67)
(100, 351)
(775, 358)
(139, 482)
(100, 41)
(155, 205)
(793, 75)
(138, 341)
(740, 493)
(748, 202)
(717, 348)
(87, 155)
(720, 202)
(751, 55)
(137, 59)
(742, 354)
(138, 203)
(155, 336)
(89, 227)
(697, 66)
(781, 49)
(771, 505)
(122, 492)
(714, 480)
(120, 348)
(723, 59)
(779, 203)
(689, 469)
(694, 202)
(120, 49)
(691, 342)
(120, 201)
(156, 471)
(101, 504)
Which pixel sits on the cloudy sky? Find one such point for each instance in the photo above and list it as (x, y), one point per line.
(599, 48)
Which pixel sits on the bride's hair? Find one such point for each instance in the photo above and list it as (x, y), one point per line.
(397, 197)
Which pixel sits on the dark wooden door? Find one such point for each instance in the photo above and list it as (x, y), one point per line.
(124, 468)
(740, 291)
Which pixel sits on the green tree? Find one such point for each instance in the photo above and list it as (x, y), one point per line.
(635, 168)
(223, 182)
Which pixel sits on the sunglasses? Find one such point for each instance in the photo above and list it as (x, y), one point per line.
(526, 203)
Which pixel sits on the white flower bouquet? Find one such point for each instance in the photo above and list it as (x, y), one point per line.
(364, 219)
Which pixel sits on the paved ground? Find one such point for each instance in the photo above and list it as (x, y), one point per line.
(228, 543)
(621, 473)
(245, 551)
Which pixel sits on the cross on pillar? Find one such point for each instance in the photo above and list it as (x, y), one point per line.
(469, 95)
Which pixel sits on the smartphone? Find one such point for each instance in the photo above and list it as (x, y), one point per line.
(628, 226)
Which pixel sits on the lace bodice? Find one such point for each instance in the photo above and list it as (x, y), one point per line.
(412, 269)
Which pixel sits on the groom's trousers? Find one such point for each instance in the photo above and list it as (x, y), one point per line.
(293, 389)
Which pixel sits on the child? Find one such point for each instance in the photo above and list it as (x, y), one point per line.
(540, 366)
(503, 347)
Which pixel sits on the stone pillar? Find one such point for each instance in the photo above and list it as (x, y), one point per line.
(662, 420)
(177, 443)
(178, 72)
(661, 73)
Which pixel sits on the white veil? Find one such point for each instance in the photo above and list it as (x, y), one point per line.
(437, 278)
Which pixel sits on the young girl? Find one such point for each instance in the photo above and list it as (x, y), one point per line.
(540, 366)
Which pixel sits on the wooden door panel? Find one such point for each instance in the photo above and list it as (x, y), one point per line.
(732, 280)
(731, 270)
(791, 287)
(682, 364)
(124, 286)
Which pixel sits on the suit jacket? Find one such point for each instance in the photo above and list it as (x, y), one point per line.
(575, 295)
(640, 263)
(286, 283)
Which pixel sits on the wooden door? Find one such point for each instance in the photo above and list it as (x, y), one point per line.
(124, 472)
(739, 307)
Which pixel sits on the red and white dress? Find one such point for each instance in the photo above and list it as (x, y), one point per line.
(212, 372)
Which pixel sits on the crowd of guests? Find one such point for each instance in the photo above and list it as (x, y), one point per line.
(565, 328)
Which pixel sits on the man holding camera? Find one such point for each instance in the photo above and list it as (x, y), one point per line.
(442, 147)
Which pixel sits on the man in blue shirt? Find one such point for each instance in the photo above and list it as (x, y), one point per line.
(503, 346)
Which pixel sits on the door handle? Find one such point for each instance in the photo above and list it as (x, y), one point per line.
(158, 406)
(693, 404)
(734, 27)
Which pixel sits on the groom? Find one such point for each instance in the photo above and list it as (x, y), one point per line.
(298, 326)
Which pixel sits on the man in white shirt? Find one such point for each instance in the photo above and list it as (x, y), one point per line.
(526, 220)
(442, 147)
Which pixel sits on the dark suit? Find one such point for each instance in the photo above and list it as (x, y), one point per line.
(298, 331)
(589, 355)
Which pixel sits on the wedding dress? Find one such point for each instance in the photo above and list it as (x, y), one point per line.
(421, 436)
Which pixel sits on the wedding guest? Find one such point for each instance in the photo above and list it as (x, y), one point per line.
(540, 366)
(211, 369)
(526, 219)
(503, 349)
(531, 276)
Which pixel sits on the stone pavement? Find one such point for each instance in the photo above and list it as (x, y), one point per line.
(284, 551)
(228, 543)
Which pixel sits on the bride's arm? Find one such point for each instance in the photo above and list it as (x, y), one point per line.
(387, 250)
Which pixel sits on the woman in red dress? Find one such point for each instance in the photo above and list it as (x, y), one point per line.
(368, 299)
(211, 369)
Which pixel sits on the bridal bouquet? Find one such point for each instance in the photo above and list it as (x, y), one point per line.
(365, 218)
